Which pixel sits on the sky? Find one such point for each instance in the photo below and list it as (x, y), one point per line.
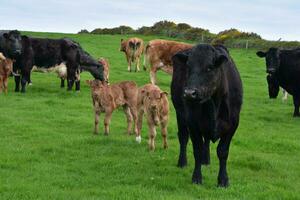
(272, 19)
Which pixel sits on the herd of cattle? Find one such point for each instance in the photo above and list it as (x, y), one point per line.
(206, 88)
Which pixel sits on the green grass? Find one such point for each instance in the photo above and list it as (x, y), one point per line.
(48, 150)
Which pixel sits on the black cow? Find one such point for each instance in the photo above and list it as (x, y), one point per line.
(207, 95)
(10, 43)
(283, 68)
(49, 52)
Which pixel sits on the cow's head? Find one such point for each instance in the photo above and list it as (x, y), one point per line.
(273, 86)
(13, 43)
(73, 53)
(123, 45)
(152, 101)
(203, 63)
(272, 57)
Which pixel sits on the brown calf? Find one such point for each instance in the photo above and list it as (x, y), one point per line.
(154, 103)
(106, 98)
(158, 54)
(6, 67)
(133, 49)
(105, 64)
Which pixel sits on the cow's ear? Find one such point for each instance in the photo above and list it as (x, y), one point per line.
(261, 54)
(182, 56)
(163, 93)
(221, 59)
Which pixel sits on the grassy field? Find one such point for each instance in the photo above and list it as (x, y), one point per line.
(48, 150)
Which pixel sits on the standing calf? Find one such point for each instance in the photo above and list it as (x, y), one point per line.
(6, 67)
(154, 103)
(107, 98)
(133, 49)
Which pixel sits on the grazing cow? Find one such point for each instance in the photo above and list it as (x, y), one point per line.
(6, 67)
(50, 52)
(283, 68)
(107, 98)
(105, 64)
(158, 54)
(133, 49)
(154, 103)
(207, 94)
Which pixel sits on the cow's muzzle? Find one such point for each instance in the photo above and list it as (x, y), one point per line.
(190, 93)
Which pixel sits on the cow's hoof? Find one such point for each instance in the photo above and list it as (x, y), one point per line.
(182, 162)
(197, 179)
(224, 182)
(296, 115)
(138, 139)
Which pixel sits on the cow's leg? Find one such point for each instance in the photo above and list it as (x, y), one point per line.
(97, 116)
(164, 134)
(129, 63)
(107, 122)
(71, 74)
(183, 137)
(138, 137)
(133, 111)
(197, 142)
(205, 153)
(17, 83)
(5, 84)
(197, 148)
(152, 135)
(24, 80)
(129, 119)
(77, 85)
(62, 82)
(296, 105)
(137, 64)
(1, 83)
(77, 80)
(222, 151)
(153, 71)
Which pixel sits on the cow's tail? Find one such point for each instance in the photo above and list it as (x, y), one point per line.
(146, 57)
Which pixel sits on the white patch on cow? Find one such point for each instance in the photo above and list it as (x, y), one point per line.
(138, 139)
(285, 95)
(128, 68)
(61, 70)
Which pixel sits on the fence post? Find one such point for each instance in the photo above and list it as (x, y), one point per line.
(247, 43)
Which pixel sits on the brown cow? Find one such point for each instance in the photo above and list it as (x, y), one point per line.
(6, 67)
(105, 64)
(106, 98)
(158, 54)
(154, 103)
(133, 49)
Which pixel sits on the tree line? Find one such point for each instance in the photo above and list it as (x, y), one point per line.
(231, 38)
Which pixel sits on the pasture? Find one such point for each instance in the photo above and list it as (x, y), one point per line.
(48, 150)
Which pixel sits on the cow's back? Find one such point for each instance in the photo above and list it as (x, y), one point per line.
(47, 52)
(164, 49)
